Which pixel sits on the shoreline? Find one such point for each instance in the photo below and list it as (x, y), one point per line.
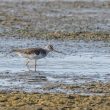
(85, 36)
(56, 101)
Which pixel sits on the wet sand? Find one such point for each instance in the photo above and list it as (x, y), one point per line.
(58, 101)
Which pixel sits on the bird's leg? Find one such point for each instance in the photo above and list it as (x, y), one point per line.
(27, 65)
(35, 64)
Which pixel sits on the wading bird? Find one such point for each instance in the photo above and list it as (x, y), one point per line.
(34, 53)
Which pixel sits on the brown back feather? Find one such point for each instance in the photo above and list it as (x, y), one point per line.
(36, 51)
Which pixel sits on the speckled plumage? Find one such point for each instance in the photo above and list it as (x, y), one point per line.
(32, 53)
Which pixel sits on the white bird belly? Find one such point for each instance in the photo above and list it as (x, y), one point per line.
(31, 56)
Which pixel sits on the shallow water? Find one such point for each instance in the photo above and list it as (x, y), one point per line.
(82, 62)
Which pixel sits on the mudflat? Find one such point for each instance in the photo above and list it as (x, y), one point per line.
(77, 20)
(58, 101)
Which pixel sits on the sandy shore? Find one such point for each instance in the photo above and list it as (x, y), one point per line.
(53, 101)
(27, 101)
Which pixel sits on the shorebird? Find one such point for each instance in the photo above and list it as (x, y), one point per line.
(34, 53)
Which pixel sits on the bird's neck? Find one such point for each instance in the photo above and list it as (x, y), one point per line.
(47, 50)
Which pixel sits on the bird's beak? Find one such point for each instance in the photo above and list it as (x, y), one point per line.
(58, 51)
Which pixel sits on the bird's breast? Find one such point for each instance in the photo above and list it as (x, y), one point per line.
(34, 56)
(41, 56)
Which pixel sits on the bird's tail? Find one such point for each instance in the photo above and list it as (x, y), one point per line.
(13, 50)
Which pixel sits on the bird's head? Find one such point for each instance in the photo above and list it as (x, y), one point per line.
(50, 48)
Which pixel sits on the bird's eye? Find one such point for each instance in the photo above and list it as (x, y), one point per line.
(51, 46)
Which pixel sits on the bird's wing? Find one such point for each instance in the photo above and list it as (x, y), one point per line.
(29, 51)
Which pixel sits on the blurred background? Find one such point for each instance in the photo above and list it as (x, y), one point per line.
(35, 17)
